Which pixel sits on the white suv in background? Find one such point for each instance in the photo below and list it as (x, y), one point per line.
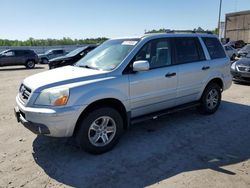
(124, 81)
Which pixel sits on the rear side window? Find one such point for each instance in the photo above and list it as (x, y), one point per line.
(214, 48)
(188, 49)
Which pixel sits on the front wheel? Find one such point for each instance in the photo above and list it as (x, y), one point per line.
(210, 99)
(100, 130)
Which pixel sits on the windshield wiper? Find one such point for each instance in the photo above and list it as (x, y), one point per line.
(88, 67)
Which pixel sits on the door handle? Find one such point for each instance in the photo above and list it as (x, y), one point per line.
(205, 68)
(170, 74)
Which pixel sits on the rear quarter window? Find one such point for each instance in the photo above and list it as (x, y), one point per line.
(214, 48)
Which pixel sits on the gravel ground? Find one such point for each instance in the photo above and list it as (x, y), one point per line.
(184, 149)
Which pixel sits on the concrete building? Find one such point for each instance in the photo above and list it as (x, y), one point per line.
(237, 26)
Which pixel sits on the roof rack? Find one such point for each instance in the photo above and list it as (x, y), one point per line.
(188, 31)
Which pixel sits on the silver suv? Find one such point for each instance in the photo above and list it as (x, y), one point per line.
(122, 82)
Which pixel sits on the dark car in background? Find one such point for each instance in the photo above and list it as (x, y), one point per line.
(231, 52)
(50, 54)
(71, 58)
(28, 58)
(236, 44)
(240, 69)
(244, 51)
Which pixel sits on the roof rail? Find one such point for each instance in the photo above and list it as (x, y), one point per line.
(188, 31)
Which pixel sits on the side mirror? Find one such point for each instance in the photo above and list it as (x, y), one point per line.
(142, 65)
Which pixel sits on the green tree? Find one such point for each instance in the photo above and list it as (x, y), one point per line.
(51, 42)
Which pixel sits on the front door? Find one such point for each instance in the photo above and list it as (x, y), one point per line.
(156, 88)
(7, 58)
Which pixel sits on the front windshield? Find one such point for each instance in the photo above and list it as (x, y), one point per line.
(248, 55)
(75, 52)
(1, 53)
(109, 55)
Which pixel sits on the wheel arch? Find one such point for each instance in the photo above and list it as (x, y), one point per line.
(110, 102)
(217, 81)
(29, 59)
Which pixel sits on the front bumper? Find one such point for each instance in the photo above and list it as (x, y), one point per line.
(36, 128)
(241, 76)
(58, 122)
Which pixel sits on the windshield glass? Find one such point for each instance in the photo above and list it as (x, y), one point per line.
(75, 52)
(1, 53)
(247, 47)
(109, 55)
(248, 55)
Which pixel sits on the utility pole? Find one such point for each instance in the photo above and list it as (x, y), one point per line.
(219, 17)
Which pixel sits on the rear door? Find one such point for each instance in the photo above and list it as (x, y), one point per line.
(154, 89)
(193, 68)
(20, 57)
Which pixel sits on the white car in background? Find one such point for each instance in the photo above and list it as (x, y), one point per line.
(231, 52)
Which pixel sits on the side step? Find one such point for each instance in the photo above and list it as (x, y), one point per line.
(156, 115)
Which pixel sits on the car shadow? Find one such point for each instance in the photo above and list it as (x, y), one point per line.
(19, 68)
(153, 151)
(242, 83)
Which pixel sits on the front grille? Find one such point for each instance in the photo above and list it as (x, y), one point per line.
(24, 93)
(244, 68)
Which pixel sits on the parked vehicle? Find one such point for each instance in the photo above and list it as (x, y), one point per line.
(50, 54)
(231, 52)
(70, 58)
(241, 70)
(244, 51)
(124, 81)
(236, 44)
(28, 58)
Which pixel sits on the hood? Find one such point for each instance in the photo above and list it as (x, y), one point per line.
(61, 76)
(61, 58)
(243, 61)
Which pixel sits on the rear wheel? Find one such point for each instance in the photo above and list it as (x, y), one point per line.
(211, 98)
(30, 64)
(100, 130)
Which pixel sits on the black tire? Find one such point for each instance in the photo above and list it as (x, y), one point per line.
(205, 102)
(30, 64)
(83, 135)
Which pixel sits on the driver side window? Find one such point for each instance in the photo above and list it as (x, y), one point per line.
(157, 53)
(9, 54)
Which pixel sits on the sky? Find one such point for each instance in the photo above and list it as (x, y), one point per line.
(41, 19)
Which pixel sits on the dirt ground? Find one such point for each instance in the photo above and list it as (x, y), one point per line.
(184, 149)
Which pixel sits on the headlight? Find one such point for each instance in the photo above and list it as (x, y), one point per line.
(53, 97)
(233, 66)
